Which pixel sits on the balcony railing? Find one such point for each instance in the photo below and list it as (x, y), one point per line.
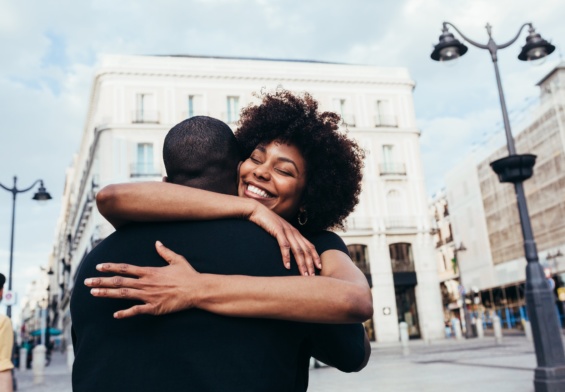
(385, 121)
(358, 223)
(140, 169)
(392, 168)
(145, 117)
(400, 222)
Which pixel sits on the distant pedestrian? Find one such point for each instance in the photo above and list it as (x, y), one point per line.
(6, 343)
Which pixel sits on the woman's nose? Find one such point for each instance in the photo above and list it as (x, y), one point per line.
(261, 172)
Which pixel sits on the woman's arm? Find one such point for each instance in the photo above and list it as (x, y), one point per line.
(340, 295)
(163, 201)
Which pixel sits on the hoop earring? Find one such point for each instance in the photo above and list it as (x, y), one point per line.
(302, 217)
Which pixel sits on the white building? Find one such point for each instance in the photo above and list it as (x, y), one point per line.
(135, 100)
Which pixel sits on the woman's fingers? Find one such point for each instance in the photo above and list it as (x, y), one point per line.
(122, 293)
(124, 269)
(115, 281)
(167, 254)
(134, 311)
(309, 257)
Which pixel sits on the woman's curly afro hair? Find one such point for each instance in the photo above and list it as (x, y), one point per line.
(333, 161)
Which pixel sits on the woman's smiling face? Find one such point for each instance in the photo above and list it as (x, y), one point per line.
(274, 175)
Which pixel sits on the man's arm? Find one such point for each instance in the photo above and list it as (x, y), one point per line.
(340, 295)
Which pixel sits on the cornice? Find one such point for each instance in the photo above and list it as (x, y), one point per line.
(273, 78)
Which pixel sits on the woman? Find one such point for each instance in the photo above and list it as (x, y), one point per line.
(302, 176)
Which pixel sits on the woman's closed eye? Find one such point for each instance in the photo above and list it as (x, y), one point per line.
(285, 172)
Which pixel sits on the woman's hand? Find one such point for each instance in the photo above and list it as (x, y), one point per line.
(289, 238)
(162, 290)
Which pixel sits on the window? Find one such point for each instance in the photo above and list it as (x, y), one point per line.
(341, 107)
(383, 114)
(193, 106)
(401, 257)
(232, 115)
(389, 165)
(143, 166)
(361, 260)
(145, 109)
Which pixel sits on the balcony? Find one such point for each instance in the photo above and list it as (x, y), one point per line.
(145, 117)
(392, 169)
(140, 169)
(358, 223)
(385, 121)
(400, 222)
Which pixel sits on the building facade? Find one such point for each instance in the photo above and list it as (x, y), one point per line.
(485, 215)
(135, 100)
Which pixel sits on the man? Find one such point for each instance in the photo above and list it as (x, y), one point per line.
(6, 345)
(197, 350)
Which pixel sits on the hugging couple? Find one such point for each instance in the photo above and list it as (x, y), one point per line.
(223, 277)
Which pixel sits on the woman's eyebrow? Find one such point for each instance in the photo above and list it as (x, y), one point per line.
(284, 159)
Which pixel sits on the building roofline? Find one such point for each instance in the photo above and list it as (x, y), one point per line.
(559, 66)
(249, 58)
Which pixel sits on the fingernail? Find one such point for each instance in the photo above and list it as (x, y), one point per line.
(158, 243)
(306, 273)
(287, 265)
(94, 291)
(100, 267)
(116, 315)
(87, 281)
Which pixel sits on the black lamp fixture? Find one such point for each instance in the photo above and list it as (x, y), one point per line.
(549, 375)
(536, 47)
(41, 195)
(448, 48)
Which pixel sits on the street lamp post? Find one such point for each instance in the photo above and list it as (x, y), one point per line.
(515, 168)
(40, 195)
(466, 312)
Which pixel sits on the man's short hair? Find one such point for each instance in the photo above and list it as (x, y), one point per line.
(2, 281)
(202, 152)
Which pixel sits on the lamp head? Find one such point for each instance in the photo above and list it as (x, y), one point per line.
(448, 48)
(41, 194)
(536, 47)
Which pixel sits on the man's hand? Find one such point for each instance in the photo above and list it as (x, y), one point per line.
(289, 238)
(162, 289)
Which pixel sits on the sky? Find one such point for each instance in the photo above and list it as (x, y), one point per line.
(50, 51)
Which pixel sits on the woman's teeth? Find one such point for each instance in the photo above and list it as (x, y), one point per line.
(258, 191)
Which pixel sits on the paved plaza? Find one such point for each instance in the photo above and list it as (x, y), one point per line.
(463, 366)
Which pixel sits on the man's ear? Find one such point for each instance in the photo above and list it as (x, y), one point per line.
(165, 179)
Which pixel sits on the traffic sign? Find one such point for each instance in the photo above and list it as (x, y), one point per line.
(9, 297)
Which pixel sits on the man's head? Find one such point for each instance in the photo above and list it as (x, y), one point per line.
(202, 152)
(2, 281)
